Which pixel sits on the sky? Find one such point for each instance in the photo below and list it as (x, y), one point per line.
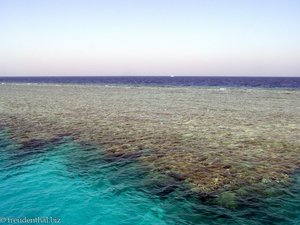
(150, 37)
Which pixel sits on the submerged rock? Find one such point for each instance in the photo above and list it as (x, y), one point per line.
(227, 199)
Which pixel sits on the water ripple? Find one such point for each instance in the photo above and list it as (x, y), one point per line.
(81, 185)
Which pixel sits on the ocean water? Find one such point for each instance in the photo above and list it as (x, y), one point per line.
(78, 184)
(258, 82)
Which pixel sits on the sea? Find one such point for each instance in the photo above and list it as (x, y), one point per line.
(206, 81)
(67, 182)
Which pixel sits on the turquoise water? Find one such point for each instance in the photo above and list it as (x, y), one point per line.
(79, 184)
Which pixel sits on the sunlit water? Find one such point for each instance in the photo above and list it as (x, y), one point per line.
(78, 184)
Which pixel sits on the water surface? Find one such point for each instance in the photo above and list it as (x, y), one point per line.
(257, 82)
(78, 184)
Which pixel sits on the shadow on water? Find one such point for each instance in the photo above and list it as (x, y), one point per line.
(80, 184)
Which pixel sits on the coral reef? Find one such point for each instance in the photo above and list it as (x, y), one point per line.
(214, 140)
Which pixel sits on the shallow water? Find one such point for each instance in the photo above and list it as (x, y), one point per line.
(78, 184)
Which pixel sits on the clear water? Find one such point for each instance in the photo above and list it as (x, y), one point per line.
(78, 184)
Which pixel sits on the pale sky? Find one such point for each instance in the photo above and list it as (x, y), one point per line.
(150, 37)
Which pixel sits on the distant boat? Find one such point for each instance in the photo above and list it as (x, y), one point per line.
(172, 75)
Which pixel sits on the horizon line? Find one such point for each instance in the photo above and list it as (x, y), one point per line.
(172, 76)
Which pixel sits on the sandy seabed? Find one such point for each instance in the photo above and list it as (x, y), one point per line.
(228, 142)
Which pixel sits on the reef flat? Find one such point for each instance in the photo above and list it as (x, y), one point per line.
(216, 141)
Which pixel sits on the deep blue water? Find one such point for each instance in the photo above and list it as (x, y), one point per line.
(78, 184)
(261, 82)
